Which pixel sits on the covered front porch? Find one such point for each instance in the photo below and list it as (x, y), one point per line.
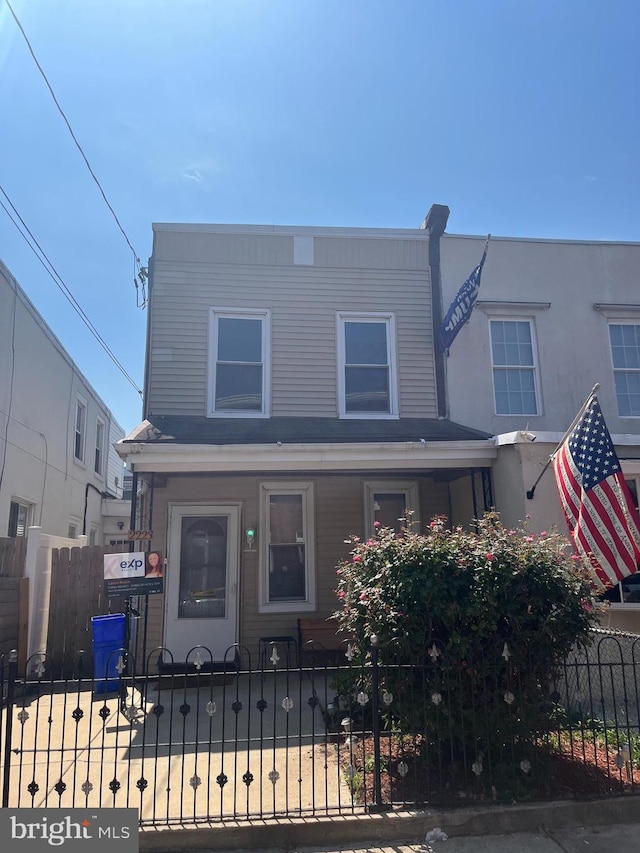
(252, 533)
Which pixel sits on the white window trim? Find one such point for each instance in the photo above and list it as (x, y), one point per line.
(263, 314)
(101, 472)
(514, 318)
(306, 489)
(80, 402)
(620, 321)
(390, 487)
(389, 319)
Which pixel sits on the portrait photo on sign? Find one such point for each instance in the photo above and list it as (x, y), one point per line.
(154, 565)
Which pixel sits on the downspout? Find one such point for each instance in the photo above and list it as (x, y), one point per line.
(434, 224)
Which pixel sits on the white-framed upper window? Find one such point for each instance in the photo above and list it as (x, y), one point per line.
(287, 552)
(80, 430)
(99, 450)
(239, 369)
(367, 381)
(625, 355)
(390, 503)
(19, 517)
(513, 359)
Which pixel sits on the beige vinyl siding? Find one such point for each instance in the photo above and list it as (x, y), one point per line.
(372, 253)
(189, 247)
(338, 510)
(303, 301)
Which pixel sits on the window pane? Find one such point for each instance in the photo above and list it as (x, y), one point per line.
(239, 339)
(365, 343)
(203, 568)
(367, 389)
(285, 519)
(389, 509)
(18, 519)
(239, 387)
(287, 573)
(515, 392)
(78, 448)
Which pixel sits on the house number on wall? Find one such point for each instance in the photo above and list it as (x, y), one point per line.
(140, 535)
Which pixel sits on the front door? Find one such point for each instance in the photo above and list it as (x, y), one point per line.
(201, 604)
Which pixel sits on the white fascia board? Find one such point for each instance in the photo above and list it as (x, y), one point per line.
(410, 455)
(543, 437)
(293, 230)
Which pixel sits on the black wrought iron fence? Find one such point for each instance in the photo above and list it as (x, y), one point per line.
(306, 732)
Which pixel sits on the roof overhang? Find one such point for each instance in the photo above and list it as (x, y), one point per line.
(370, 456)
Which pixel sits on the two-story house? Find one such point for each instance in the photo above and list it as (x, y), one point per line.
(57, 456)
(291, 399)
(553, 318)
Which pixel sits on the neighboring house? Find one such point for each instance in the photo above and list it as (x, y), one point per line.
(291, 399)
(57, 457)
(553, 317)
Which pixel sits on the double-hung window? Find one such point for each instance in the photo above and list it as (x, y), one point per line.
(514, 367)
(287, 576)
(239, 363)
(80, 430)
(97, 460)
(625, 354)
(367, 386)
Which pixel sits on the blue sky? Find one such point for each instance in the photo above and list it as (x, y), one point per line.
(521, 115)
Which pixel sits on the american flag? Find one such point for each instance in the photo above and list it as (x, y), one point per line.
(597, 503)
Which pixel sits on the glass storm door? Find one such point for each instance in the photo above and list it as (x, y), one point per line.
(202, 580)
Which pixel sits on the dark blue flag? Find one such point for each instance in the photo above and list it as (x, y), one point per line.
(460, 309)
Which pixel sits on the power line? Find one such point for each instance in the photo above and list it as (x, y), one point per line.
(141, 271)
(41, 255)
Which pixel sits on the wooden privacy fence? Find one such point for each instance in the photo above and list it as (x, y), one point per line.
(14, 600)
(76, 595)
(13, 554)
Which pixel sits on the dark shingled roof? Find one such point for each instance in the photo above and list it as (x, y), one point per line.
(200, 430)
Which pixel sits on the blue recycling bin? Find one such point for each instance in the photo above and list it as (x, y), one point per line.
(108, 638)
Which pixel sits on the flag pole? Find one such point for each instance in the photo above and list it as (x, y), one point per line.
(531, 492)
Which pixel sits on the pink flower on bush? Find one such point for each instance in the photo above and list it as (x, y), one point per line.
(489, 556)
(586, 605)
(357, 558)
(529, 538)
(341, 593)
(376, 524)
(363, 596)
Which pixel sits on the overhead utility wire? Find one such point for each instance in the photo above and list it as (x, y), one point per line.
(60, 284)
(141, 271)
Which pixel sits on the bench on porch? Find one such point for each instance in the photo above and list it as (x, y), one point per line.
(327, 638)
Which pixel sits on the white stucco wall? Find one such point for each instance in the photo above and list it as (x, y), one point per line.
(557, 285)
(39, 387)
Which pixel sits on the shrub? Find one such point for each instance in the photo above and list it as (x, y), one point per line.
(487, 614)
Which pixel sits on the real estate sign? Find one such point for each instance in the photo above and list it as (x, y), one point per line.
(137, 573)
